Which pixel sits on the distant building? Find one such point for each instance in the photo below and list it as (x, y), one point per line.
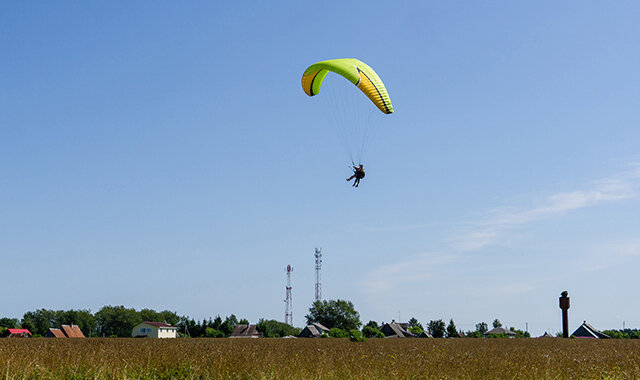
(588, 331)
(154, 330)
(500, 330)
(245, 331)
(396, 330)
(65, 331)
(546, 335)
(313, 330)
(425, 334)
(72, 331)
(19, 333)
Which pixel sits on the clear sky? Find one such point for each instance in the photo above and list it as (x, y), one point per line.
(163, 155)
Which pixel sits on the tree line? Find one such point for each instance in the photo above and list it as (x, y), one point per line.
(118, 321)
(339, 316)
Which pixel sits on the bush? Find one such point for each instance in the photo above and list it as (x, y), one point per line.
(356, 336)
(371, 332)
(338, 333)
(213, 333)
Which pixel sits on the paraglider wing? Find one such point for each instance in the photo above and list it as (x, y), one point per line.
(357, 72)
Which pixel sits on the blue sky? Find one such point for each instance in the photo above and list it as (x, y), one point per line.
(163, 155)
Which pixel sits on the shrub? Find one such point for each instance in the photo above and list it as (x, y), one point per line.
(213, 333)
(356, 336)
(338, 333)
(371, 332)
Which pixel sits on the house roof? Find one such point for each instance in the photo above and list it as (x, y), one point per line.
(159, 324)
(396, 330)
(72, 331)
(312, 330)
(500, 330)
(57, 333)
(245, 331)
(320, 327)
(546, 335)
(588, 331)
(19, 331)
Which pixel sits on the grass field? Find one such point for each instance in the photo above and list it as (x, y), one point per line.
(319, 358)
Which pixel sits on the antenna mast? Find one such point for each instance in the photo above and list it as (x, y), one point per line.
(288, 312)
(318, 256)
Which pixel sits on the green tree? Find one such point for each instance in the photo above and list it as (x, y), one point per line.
(276, 329)
(616, 334)
(10, 323)
(228, 325)
(334, 313)
(213, 333)
(437, 328)
(217, 322)
(417, 330)
(452, 331)
(371, 332)
(496, 323)
(39, 321)
(338, 333)
(482, 327)
(149, 315)
(413, 322)
(83, 318)
(373, 324)
(356, 336)
(116, 321)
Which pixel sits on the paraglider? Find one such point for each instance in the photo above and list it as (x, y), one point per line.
(358, 73)
(358, 174)
(361, 75)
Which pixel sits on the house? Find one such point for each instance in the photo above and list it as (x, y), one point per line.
(149, 329)
(245, 331)
(500, 330)
(72, 331)
(546, 335)
(313, 330)
(425, 334)
(588, 331)
(396, 330)
(65, 331)
(19, 333)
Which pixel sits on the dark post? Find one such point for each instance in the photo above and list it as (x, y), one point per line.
(564, 305)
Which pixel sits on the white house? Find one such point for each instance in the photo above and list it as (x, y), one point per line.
(154, 330)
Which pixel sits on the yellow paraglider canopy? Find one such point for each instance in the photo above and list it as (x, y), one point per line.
(357, 72)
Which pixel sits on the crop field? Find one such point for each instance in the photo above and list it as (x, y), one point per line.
(318, 358)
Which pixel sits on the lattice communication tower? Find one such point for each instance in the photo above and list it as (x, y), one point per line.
(288, 312)
(318, 256)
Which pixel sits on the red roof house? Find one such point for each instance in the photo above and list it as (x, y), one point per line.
(19, 333)
(72, 331)
(65, 331)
